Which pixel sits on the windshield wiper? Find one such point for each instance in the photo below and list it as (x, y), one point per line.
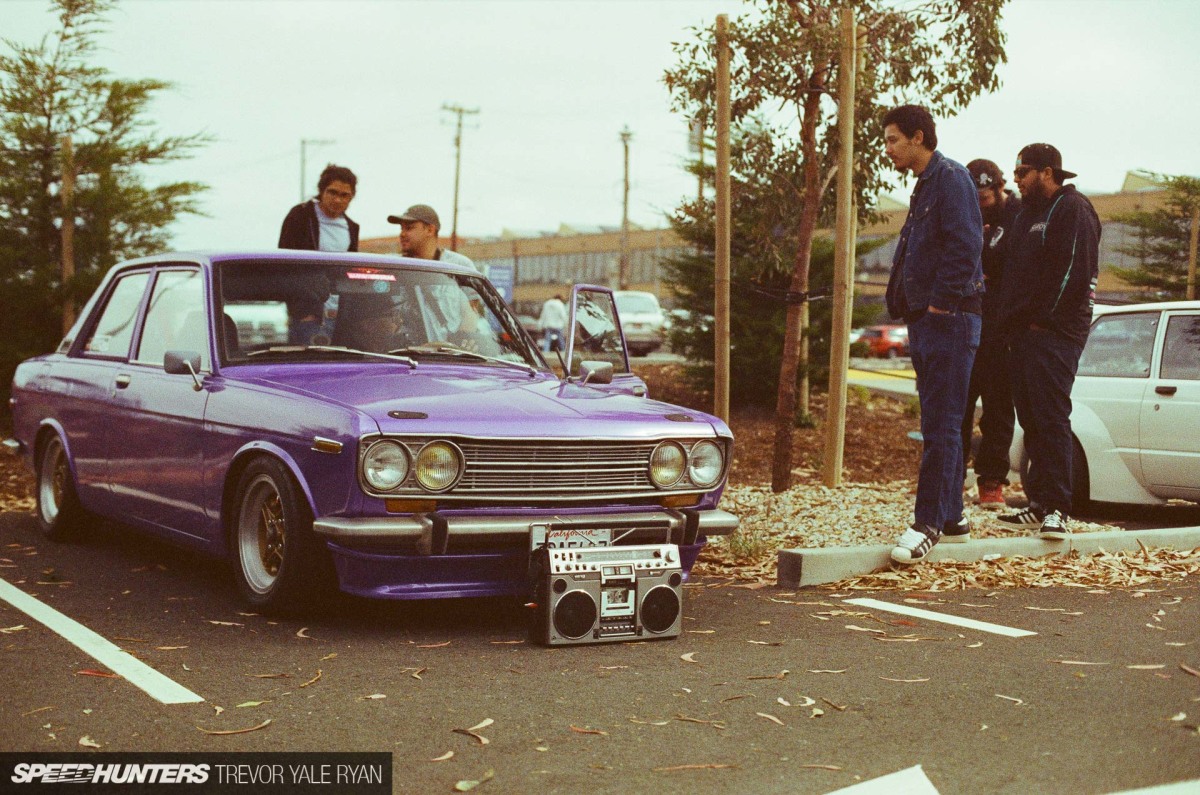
(450, 350)
(285, 349)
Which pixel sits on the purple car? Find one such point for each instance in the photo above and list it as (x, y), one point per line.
(380, 424)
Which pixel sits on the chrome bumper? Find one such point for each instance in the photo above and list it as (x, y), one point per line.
(431, 532)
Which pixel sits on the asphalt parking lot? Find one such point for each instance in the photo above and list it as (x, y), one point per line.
(766, 690)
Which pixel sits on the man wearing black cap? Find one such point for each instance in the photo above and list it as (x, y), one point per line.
(1048, 294)
(419, 227)
(989, 375)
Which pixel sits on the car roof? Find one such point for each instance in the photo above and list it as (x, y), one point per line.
(296, 255)
(1158, 306)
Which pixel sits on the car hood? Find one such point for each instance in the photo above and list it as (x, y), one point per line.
(490, 402)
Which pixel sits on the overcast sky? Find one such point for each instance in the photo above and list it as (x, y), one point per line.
(1107, 81)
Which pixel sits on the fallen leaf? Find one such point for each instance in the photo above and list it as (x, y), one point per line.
(507, 642)
(765, 643)
(92, 672)
(328, 657)
(838, 707)
(716, 724)
(481, 725)
(1186, 669)
(88, 742)
(226, 623)
(252, 703)
(1144, 667)
(975, 645)
(466, 785)
(170, 648)
(649, 722)
(579, 730)
(436, 645)
(313, 680)
(612, 667)
(269, 676)
(1077, 662)
(771, 718)
(10, 630)
(889, 679)
(443, 757)
(372, 697)
(783, 701)
(35, 711)
(779, 675)
(701, 631)
(262, 725)
(711, 766)
(219, 710)
(1016, 701)
(303, 633)
(820, 767)
(735, 698)
(1180, 716)
(688, 657)
(826, 671)
(864, 629)
(817, 712)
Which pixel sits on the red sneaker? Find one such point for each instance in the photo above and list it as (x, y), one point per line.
(991, 495)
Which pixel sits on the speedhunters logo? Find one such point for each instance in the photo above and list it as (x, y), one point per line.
(243, 773)
(83, 773)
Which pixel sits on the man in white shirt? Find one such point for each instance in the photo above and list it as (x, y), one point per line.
(321, 224)
(419, 227)
(552, 321)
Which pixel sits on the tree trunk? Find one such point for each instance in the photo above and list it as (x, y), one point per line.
(794, 344)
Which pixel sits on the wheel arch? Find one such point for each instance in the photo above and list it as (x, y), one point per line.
(242, 459)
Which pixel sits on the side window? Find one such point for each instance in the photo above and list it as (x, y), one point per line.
(176, 319)
(1120, 346)
(114, 329)
(596, 334)
(1181, 348)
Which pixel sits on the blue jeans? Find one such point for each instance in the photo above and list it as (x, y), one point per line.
(549, 335)
(1043, 365)
(943, 350)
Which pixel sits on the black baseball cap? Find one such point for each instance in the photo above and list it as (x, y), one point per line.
(1041, 156)
(418, 212)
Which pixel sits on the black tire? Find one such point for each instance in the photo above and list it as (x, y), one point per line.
(59, 514)
(279, 563)
(1081, 482)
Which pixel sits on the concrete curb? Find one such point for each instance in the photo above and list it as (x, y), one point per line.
(801, 567)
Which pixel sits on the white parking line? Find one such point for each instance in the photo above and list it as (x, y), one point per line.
(929, 615)
(120, 662)
(912, 781)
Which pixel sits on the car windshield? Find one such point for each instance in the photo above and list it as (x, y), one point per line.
(320, 311)
(630, 303)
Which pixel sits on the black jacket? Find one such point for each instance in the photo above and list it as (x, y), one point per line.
(1052, 265)
(301, 230)
(996, 238)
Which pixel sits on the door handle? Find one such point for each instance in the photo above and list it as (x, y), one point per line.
(1166, 390)
(121, 381)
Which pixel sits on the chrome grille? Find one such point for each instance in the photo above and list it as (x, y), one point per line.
(530, 467)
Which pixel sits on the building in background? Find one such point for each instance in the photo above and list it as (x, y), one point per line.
(541, 264)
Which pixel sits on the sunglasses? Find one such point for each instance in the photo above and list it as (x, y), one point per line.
(1020, 171)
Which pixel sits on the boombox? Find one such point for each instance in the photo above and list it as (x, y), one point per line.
(606, 594)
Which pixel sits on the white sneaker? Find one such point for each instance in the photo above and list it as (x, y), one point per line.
(1054, 527)
(914, 545)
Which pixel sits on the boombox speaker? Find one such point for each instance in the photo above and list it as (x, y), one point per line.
(606, 594)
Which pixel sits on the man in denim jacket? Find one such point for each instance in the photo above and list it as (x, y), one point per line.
(936, 286)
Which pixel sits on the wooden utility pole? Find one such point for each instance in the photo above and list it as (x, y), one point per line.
(460, 111)
(1191, 272)
(721, 277)
(67, 195)
(623, 268)
(843, 262)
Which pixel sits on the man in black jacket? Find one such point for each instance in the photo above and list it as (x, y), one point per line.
(321, 224)
(1048, 294)
(989, 375)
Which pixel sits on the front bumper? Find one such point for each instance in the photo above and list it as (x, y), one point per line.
(433, 533)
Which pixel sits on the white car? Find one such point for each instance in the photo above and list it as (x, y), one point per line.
(1135, 410)
(642, 320)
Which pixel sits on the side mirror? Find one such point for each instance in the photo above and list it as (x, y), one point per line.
(183, 363)
(595, 372)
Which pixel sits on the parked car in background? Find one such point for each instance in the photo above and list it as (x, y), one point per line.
(642, 320)
(1135, 411)
(886, 342)
(413, 445)
(530, 324)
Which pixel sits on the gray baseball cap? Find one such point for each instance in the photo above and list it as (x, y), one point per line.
(418, 212)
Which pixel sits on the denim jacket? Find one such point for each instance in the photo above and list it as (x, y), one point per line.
(937, 260)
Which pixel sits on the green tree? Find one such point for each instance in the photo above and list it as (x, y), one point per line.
(48, 91)
(1162, 239)
(942, 53)
(761, 253)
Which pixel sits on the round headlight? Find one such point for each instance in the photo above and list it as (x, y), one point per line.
(667, 463)
(439, 465)
(704, 464)
(385, 465)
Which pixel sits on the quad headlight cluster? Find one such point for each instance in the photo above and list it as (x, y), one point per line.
(702, 465)
(437, 466)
